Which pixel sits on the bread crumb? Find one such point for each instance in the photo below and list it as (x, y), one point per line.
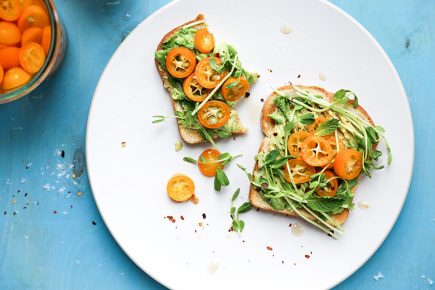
(322, 76)
(286, 29)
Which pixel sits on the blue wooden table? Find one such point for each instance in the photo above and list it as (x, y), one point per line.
(51, 234)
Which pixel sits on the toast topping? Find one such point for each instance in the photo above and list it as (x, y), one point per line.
(316, 149)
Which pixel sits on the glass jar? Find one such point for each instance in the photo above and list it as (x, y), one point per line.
(53, 59)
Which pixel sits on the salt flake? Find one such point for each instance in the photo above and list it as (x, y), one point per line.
(378, 276)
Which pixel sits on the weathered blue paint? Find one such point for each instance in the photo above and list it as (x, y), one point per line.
(51, 242)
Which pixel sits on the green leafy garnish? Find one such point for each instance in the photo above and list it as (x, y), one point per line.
(237, 224)
(307, 119)
(220, 180)
(328, 127)
(190, 160)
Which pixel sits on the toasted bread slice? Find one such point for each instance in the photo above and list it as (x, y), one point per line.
(268, 125)
(190, 136)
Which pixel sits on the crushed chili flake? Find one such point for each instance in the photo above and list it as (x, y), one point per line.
(171, 218)
(269, 248)
(230, 229)
(307, 256)
(182, 218)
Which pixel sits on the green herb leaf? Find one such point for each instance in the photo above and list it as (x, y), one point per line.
(280, 162)
(235, 194)
(241, 226)
(328, 127)
(288, 127)
(245, 207)
(277, 203)
(190, 160)
(158, 119)
(355, 101)
(226, 157)
(324, 204)
(307, 119)
(278, 117)
(271, 156)
(374, 137)
(217, 184)
(222, 177)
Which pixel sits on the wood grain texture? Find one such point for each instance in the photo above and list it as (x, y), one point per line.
(51, 241)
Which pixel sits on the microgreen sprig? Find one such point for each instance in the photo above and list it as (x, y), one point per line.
(237, 224)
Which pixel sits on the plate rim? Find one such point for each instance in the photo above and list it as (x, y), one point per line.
(345, 14)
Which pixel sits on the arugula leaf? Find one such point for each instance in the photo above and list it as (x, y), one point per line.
(328, 127)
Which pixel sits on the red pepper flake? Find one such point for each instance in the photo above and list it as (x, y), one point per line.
(217, 54)
(307, 256)
(230, 229)
(171, 218)
(182, 218)
(55, 211)
(269, 248)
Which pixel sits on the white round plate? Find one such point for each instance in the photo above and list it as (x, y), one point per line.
(129, 182)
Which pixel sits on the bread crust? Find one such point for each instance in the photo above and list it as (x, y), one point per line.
(267, 125)
(190, 136)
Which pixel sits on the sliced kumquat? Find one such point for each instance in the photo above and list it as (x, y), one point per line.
(32, 34)
(14, 78)
(180, 188)
(9, 33)
(10, 10)
(26, 3)
(46, 39)
(208, 162)
(31, 57)
(9, 57)
(2, 72)
(33, 16)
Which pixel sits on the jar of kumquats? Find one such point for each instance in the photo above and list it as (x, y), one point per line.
(32, 45)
